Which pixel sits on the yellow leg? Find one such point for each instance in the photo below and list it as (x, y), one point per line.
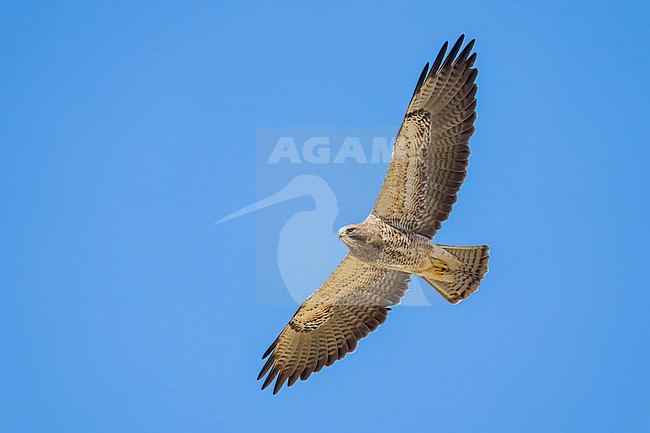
(439, 268)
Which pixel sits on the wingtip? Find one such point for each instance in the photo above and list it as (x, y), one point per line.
(451, 57)
(423, 76)
(265, 368)
(439, 58)
(269, 379)
(464, 56)
(282, 377)
(270, 349)
(293, 378)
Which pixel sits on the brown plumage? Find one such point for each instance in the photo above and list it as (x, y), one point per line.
(427, 167)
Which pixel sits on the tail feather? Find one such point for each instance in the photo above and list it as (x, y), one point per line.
(456, 283)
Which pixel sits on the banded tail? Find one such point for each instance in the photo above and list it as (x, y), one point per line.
(457, 281)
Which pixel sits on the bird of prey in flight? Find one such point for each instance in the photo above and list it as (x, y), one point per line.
(428, 165)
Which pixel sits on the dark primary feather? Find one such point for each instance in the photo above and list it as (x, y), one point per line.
(439, 58)
(453, 51)
(423, 76)
(463, 55)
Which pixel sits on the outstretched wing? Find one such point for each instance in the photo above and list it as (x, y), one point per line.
(430, 154)
(352, 302)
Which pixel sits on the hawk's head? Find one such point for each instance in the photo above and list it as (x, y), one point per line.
(362, 239)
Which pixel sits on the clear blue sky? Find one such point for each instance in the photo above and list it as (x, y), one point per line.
(128, 128)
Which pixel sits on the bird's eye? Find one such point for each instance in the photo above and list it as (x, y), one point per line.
(349, 230)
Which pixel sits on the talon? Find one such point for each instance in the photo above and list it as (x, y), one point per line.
(440, 268)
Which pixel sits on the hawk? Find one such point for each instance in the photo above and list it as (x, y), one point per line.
(428, 165)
